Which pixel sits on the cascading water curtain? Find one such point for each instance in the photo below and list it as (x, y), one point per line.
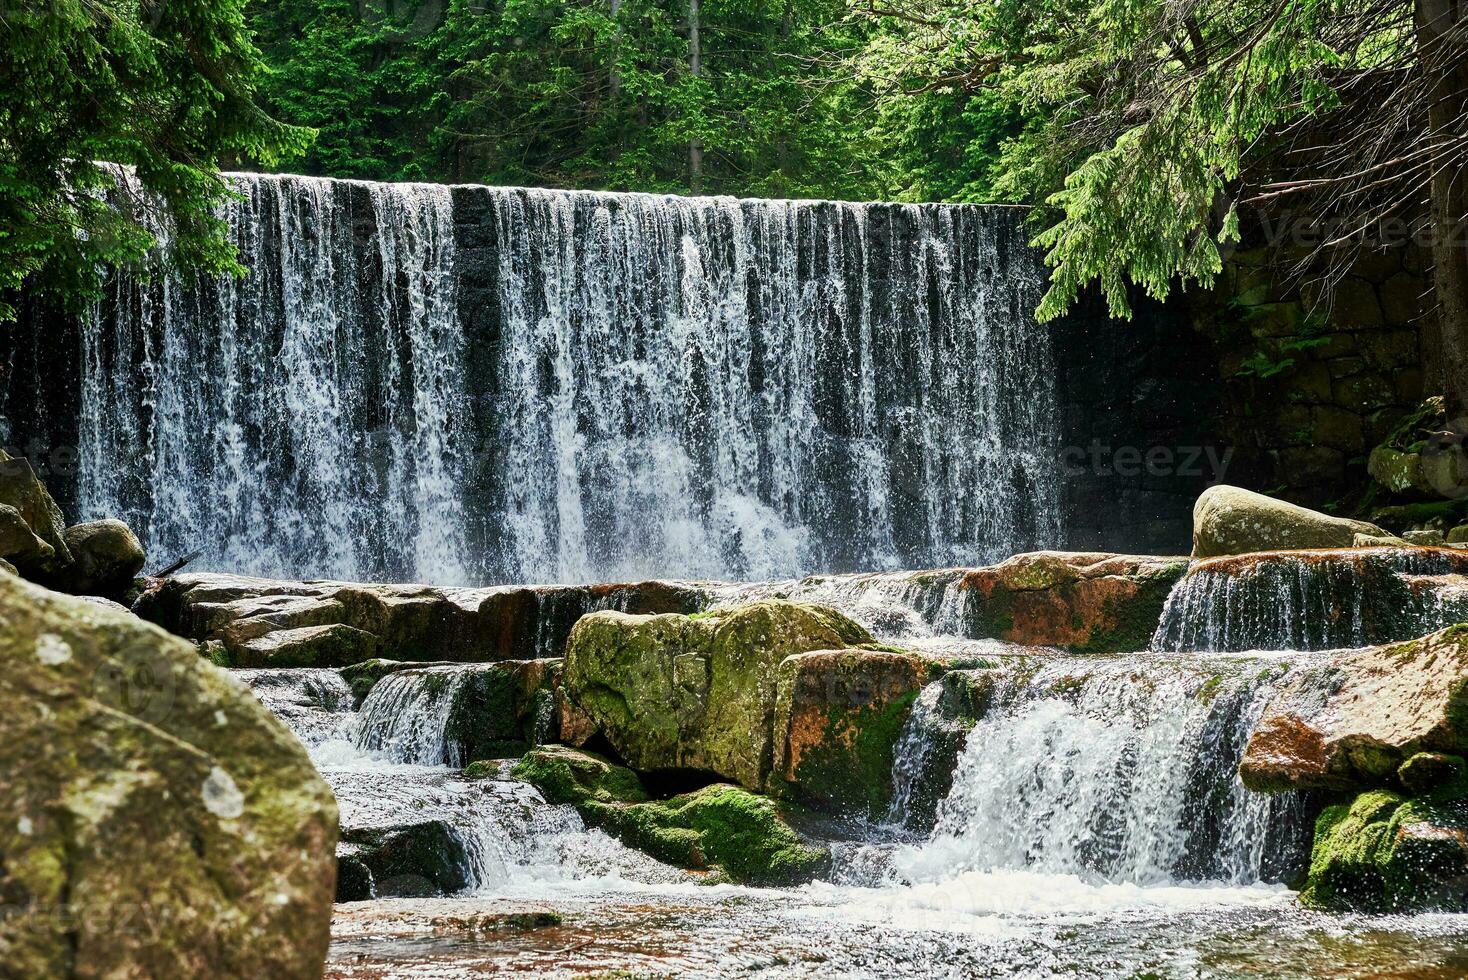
(470, 385)
(309, 419)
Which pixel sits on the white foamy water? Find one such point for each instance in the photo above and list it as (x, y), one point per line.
(476, 384)
(1311, 602)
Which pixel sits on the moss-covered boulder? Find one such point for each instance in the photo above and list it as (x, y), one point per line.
(416, 860)
(745, 837)
(139, 781)
(1087, 602)
(1386, 852)
(1231, 521)
(1350, 723)
(696, 692)
(838, 717)
(573, 776)
(107, 557)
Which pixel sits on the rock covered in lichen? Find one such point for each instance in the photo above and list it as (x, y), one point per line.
(696, 692)
(838, 717)
(1231, 521)
(158, 820)
(1350, 723)
(1387, 852)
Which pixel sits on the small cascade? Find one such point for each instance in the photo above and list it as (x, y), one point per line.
(391, 767)
(1312, 600)
(926, 736)
(315, 704)
(1115, 770)
(407, 715)
(894, 606)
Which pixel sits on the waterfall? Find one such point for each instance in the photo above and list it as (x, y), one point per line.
(1115, 769)
(307, 418)
(407, 714)
(474, 384)
(388, 765)
(1312, 601)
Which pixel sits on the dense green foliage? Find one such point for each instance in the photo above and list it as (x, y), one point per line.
(581, 94)
(166, 87)
(1139, 128)
(1145, 125)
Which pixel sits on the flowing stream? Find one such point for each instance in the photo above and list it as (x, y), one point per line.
(1092, 823)
(1320, 601)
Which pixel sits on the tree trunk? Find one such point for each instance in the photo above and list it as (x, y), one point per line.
(614, 79)
(1440, 47)
(695, 58)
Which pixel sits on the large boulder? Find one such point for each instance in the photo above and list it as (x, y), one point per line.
(1386, 852)
(838, 717)
(1232, 521)
(696, 692)
(21, 490)
(1087, 602)
(106, 555)
(1351, 723)
(159, 822)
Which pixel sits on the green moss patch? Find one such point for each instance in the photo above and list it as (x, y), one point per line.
(741, 834)
(1384, 852)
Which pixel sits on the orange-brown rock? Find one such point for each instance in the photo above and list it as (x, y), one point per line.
(1353, 721)
(838, 717)
(1081, 601)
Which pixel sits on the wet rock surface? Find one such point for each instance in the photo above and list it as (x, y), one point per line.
(838, 717)
(743, 837)
(1349, 724)
(1387, 852)
(1096, 603)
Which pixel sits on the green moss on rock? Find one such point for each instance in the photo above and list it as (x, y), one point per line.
(743, 835)
(1384, 852)
(682, 692)
(838, 717)
(572, 776)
